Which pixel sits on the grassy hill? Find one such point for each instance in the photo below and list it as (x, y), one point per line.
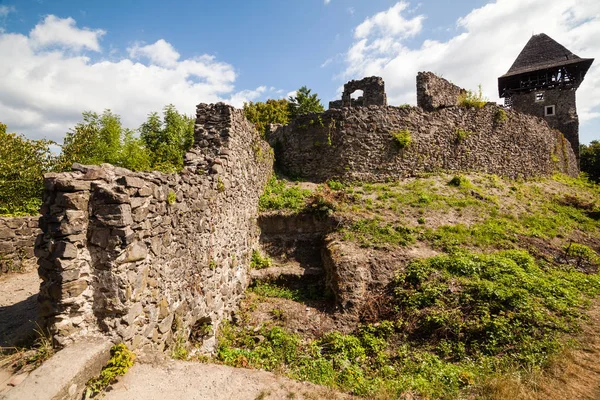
(442, 286)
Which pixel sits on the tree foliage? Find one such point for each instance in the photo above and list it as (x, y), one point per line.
(270, 112)
(23, 163)
(304, 103)
(590, 160)
(100, 138)
(168, 139)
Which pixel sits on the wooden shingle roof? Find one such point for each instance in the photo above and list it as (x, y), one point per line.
(541, 52)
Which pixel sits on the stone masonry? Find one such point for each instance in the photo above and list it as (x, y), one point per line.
(17, 238)
(358, 144)
(434, 92)
(145, 257)
(373, 93)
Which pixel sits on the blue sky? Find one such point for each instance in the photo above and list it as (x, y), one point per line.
(134, 57)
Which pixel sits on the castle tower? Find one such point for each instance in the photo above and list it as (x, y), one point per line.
(542, 82)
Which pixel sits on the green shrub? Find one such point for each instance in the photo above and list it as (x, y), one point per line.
(258, 261)
(459, 180)
(402, 138)
(23, 163)
(501, 304)
(472, 99)
(270, 112)
(335, 185)
(582, 255)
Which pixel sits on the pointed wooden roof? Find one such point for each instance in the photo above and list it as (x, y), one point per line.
(541, 52)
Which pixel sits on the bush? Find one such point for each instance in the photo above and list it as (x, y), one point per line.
(23, 163)
(402, 138)
(590, 160)
(472, 99)
(501, 304)
(304, 103)
(269, 112)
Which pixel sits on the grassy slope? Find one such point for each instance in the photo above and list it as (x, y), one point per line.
(517, 267)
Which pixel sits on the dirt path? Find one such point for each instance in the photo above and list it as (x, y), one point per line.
(180, 380)
(18, 307)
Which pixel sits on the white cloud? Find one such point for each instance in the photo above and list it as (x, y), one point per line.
(46, 80)
(487, 42)
(160, 53)
(5, 10)
(327, 1)
(54, 31)
(390, 22)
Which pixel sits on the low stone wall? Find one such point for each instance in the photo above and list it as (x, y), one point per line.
(17, 239)
(358, 144)
(150, 258)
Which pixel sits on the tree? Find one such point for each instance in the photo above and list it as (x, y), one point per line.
(304, 103)
(168, 140)
(23, 163)
(590, 160)
(102, 139)
(269, 112)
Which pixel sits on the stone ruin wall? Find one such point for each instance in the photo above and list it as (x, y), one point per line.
(356, 143)
(17, 239)
(373, 89)
(143, 257)
(434, 92)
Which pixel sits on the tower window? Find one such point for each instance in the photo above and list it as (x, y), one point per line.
(539, 97)
(549, 111)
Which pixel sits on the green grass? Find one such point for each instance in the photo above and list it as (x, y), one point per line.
(267, 289)
(375, 233)
(279, 196)
(458, 319)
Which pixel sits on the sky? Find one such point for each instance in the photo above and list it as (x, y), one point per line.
(59, 58)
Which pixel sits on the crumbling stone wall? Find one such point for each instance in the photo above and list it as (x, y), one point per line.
(373, 93)
(150, 258)
(358, 144)
(434, 92)
(17, 239)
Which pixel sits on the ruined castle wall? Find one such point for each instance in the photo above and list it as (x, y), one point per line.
(153, 258)
(17, 239)
(358, 144)
(434, 92)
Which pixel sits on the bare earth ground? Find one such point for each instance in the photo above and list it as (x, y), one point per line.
(18, 313)
(18, 306)
(180, 380)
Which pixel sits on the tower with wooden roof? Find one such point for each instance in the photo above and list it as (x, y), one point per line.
(542, 82)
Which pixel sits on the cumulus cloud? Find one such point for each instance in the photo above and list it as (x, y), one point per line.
(160, 53)
(47, 79)
(54, 31)
(486, 42)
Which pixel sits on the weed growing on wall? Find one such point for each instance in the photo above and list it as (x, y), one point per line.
(260, 261)
(500, 116)
(473, 99)
(462, 134)
(121, 359)
(402, 138)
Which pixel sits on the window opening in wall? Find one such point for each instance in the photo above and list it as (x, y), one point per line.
(549, 111)
(539, 97)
